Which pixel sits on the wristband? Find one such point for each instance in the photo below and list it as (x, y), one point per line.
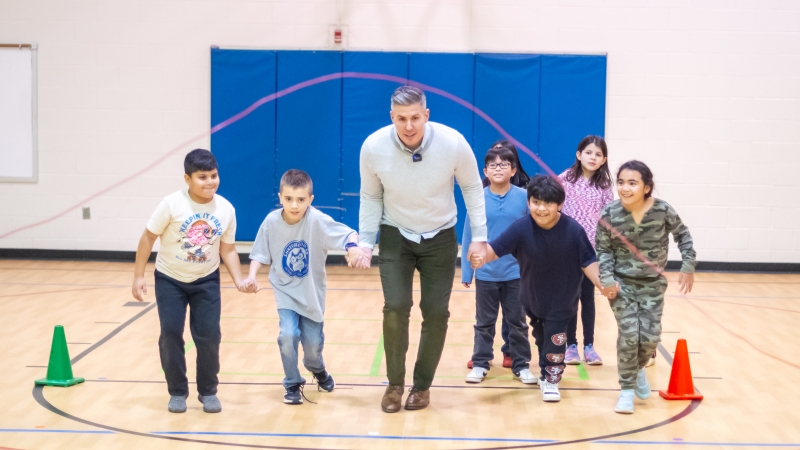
(350, 245)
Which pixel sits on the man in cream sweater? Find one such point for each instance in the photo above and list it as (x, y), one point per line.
(407, 180)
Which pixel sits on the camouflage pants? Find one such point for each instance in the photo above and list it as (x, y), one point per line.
(637, 308)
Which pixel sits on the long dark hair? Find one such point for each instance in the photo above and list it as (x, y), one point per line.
(521, 178)
(602, 176)
(644, 171)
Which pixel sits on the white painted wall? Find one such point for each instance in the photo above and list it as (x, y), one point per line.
(707, 92)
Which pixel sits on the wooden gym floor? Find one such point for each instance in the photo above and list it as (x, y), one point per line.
(741, 329)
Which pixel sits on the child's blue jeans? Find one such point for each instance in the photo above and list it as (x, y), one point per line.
(295, 329)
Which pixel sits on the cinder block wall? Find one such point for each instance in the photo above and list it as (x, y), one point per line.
(706, 92)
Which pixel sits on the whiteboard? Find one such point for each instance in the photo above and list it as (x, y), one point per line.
(18, 133)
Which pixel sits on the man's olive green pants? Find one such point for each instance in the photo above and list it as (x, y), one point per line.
(434, 258)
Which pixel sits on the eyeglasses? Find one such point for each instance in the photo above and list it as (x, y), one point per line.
(502, 165)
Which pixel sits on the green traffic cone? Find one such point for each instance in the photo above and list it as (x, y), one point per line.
(59, 370)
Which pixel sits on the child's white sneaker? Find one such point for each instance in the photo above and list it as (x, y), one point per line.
(642, 389)
(549, 391)
(625, 402)
(476, 375)
(526, 377)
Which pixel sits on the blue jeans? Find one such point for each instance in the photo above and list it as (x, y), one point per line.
(295, 329)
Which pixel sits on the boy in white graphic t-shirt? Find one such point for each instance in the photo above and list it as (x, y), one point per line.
(197, 228)
(295, 241)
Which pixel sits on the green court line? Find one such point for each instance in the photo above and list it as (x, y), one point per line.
(582, 373)
(376, 362)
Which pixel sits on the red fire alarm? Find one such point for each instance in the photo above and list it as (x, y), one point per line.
(337, 36)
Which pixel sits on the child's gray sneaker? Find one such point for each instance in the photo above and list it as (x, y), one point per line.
(177, 404)
(210, 403)
(625, 402)
(642, 389)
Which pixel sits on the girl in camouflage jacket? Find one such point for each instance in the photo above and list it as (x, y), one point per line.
(632, 242)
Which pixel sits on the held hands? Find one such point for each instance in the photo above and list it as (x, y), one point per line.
(610, 292)
(476, 261)
(477, 254)
(249, 286)
(359, 257)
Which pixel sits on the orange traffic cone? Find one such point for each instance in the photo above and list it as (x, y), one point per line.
(681, 384)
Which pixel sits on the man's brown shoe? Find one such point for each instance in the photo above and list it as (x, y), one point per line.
(418, 399)
(392, 398)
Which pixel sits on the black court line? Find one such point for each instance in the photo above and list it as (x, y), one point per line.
(759, 297)
(697, 299)
(381, 385)
(113, 333)
(63, 284)
(60, 291)
(38, 395)
(665, 353)
(38, 367)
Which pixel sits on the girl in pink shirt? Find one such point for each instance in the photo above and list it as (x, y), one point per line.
(588, 187)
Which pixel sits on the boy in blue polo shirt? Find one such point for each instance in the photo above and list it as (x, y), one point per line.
(497, 283)
(554, 255)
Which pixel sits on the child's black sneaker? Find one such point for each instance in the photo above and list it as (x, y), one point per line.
(324, 381)
(294, 394)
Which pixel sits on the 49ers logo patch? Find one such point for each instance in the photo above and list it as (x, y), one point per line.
(559, 339)
(555, 358)
(554, 370)
(553, 378)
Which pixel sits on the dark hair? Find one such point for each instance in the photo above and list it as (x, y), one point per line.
(198, 160)
(297, 179)
(499, 152)
(644, 171)
(521, 178)
(546, 189)
(602, 176)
